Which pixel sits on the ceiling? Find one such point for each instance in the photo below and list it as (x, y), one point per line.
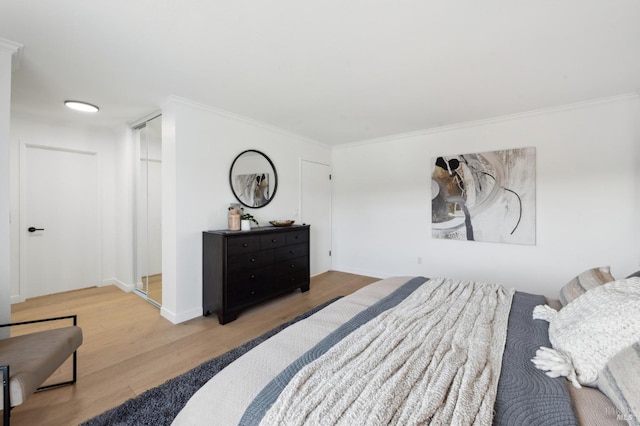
(333, 71)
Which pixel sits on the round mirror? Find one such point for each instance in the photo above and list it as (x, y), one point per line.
(253, 178)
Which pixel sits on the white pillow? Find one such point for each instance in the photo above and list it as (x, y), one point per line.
(620, 381)
(590, 330)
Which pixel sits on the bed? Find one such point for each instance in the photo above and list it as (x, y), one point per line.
(406, 350)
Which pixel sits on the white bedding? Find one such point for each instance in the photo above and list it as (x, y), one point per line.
(237, 385)
(224, 399)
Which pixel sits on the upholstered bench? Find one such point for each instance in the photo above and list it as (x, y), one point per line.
(27, 361)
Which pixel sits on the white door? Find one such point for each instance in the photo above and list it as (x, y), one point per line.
(59, 198)
(316, 211)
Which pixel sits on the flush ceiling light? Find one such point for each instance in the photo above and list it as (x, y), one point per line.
(81, 106)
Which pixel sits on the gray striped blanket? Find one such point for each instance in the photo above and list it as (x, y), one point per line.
(434, 357)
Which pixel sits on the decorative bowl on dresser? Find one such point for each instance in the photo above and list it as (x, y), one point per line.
(243, 268)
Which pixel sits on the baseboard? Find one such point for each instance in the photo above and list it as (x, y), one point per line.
(367, 273)
(122, 286)
(182, 317)
(320, 273)
(17, 299)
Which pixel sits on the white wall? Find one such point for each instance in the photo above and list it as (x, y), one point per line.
(588, 157)
(7, 50)
(26, 129)
(122, 242)
(199, 145)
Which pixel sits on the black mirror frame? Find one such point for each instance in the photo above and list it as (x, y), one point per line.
(275, 177)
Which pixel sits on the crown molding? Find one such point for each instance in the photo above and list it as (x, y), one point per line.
(500, 119)
(177, 99)
(16, 50)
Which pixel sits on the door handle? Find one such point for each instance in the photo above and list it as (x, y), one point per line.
(32, 229)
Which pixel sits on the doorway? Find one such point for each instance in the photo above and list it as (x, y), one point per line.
(148, 209)
(59, 220)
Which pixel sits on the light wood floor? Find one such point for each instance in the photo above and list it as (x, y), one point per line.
(129, 348)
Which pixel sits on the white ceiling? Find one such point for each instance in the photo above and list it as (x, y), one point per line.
(333, 71)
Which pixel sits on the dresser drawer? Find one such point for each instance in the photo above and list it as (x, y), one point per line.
(242, 245)
(247, 292)
(248, 284)
(290, 252)
(296, 237)
(273, 240)
(256, 259)
(291, 265)
(290, 279)
(245, 275)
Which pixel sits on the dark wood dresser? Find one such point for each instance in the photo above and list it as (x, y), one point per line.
(242, 268)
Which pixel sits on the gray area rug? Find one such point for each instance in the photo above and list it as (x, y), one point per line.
(160, 405)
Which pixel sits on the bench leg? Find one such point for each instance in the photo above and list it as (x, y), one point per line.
(6, 411)
(6, 407)
(69, 382)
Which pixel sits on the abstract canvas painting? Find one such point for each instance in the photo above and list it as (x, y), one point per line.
(487, 196)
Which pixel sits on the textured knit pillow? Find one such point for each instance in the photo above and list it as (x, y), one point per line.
(620, 381)
(587, 280)
(590, 330)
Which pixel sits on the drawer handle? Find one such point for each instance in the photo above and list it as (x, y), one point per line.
(253, 292)
(290, 251)
(273, 240)
(253, 259)
(292, 266)
(252, 276)
(245, 245)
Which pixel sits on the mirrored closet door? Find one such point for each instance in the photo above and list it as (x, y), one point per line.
(148, 220)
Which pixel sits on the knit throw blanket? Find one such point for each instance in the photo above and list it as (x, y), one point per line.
(435, 358)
